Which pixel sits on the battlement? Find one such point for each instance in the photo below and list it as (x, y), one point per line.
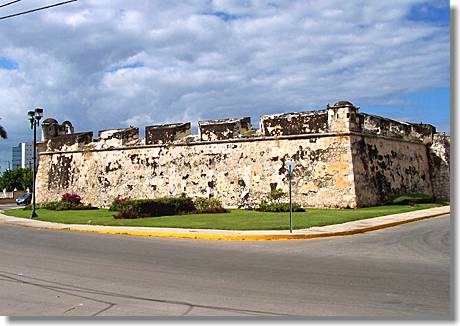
(294, 123)
(168, 133)
(224, 128)
(371, 124)
(74, 141)
(344, 158)
(124, 135)
(342, 117)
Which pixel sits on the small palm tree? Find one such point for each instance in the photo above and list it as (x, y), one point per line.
(3, 133)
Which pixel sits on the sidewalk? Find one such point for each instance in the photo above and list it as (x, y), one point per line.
(348, 228)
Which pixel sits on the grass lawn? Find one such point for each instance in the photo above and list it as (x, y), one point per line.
(237, 219)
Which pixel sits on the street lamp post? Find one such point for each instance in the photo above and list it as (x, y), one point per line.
(34, 118)
(290, 168)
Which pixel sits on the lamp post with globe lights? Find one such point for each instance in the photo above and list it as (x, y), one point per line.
(34, 119)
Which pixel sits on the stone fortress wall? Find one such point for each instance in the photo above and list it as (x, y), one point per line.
(344, 158)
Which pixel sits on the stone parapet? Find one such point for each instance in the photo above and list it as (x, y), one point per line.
(294, 123)
(168, 133)
(224, 128)
(343, 158)
(70, 142)
(125, 135)
(372, 124)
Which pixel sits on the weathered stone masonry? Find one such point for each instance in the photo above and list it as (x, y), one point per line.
(344, 158)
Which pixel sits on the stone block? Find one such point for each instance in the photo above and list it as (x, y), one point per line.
(224, 129)
(294, 123)
(125, 135)
(168, 133)
(75, 141)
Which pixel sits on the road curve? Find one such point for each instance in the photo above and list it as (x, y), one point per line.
(400, 272)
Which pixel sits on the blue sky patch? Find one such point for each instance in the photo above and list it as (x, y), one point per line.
(438, 14)
(222, 15)
(127, 66)
(8, 64)
(426, 106)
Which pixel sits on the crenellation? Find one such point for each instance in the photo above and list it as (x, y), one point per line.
(69, 142)
(344, 158)
(296, 123)
(124, 134)
(372, 124)
(211, 130)
(167, 133)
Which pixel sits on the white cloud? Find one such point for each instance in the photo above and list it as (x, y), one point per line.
(104, 64)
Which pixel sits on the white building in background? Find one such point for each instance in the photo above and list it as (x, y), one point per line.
(23, 156)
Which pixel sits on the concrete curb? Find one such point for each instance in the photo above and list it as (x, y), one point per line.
(344, 229)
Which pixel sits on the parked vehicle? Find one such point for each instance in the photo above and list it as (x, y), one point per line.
(24, 199)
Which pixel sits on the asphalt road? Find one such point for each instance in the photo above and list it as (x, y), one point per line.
(400, 272)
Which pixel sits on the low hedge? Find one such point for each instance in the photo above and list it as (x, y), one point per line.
(155, 207)
(60, 206)
(209, 205)
(165, 206)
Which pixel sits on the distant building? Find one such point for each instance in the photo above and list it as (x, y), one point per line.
(22, 156)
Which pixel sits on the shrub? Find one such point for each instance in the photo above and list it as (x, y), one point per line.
(276, 194)
(273, 203)
(156, 207)
(71, 198)
(69, 201)
(208, 205)
(127, 211)
(264, 206)
(118, 202)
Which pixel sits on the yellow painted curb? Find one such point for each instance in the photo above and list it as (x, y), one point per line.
(249, 236)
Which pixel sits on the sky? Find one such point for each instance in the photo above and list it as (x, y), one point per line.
(106, 64)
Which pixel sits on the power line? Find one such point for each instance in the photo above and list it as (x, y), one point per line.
(9, 3)
(37, 9)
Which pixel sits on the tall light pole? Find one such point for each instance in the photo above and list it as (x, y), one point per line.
(34, 118)
(290, 168)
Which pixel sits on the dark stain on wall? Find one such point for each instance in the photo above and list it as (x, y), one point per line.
(388, 173)
(60, 173)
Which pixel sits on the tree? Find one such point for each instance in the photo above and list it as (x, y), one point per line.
(19, 178)
(3, 133)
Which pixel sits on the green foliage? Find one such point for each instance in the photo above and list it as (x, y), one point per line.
(265, 206)
(3, 133)
(156, 207)
(273, 203)
(118, 202)
(208, 205)
(68, 202)
(19, 179)
(276, 194)
(235, 219)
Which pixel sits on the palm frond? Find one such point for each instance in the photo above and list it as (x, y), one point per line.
(3, 133)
